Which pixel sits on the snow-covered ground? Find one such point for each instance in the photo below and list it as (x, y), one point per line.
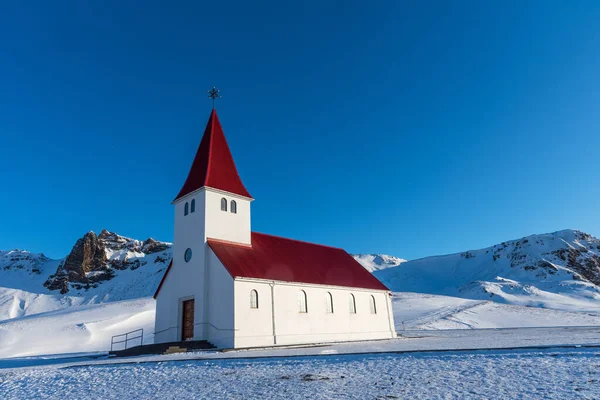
(548, 374)
(428, 311)
(407, 342)
(76, 329)
(89, 328)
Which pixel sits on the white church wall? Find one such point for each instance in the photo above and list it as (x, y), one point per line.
(255, 327)
(178, 286)
(225, 225)
(220, 302)
(182, 282)
(213, 308)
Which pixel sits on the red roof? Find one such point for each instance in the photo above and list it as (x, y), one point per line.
(213, 165)
(276, 258)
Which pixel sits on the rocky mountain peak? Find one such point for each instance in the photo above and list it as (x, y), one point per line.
(105, 234)
(94, 259)
(572, 249)
(544, 270)
(150, 246)
(22, 260)
(88, 254)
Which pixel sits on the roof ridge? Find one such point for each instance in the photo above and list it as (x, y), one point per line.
(300, 241)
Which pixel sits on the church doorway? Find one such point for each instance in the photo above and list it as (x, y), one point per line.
(187, 323)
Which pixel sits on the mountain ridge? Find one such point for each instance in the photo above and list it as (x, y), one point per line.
(559, 270)
(554, 270)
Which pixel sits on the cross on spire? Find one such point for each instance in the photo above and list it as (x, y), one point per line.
(213, 94)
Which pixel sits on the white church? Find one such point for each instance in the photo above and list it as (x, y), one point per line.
(236, 288)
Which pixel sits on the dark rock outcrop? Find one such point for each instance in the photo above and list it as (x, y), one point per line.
(150, 246)
(87, 255)
(88, 263)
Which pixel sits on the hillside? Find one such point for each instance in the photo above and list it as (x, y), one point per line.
(99, 268)
(103, 287)
(559, 270)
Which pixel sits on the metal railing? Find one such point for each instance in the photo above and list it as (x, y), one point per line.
(197, 324)
(125, 338)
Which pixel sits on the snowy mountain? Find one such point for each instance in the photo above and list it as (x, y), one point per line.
(99, 268)
(559, 270)
(377, 262)
(103, 287)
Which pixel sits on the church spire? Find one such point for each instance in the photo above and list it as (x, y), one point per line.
(213, 165)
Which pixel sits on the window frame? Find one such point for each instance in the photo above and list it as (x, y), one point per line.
(233, 207)
(187, 252)
(254, 299)
(193, 206)
(372, 305)
(329, 303)
(352, 304)
(302, 302)
(186, 209)
(223, 204)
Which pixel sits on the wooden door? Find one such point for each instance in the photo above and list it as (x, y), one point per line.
(187, 323)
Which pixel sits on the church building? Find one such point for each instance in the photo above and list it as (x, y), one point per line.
(237, 288)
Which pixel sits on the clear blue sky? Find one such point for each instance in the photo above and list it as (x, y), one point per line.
(408, 128)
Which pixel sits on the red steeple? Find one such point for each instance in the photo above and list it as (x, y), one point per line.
(213, 165)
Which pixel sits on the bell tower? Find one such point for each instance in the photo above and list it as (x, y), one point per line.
(213, 203)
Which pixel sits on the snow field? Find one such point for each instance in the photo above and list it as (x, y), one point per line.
(426, 311)
(84, 328)
(89, 328)
(492, 375)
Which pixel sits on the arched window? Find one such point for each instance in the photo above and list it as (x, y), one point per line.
(223, 204)
(328, 303)
(233, 207)
(253, 299)
(372, 305)
(193, 205)
(302, 307)
(352, 304)
(186, 209)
